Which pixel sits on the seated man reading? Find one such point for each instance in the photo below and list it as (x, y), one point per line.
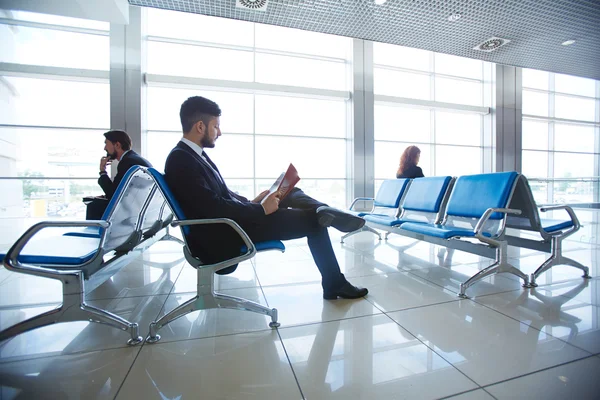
(202, 193)
(117, 146)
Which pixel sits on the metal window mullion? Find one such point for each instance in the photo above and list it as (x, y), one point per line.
(596, 186)
(54, 27)
(58, 73)
(432, 112)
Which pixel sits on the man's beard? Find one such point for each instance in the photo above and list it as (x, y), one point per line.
(112, 156)
(206, 142)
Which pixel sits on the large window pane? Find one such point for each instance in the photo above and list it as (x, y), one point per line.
(299, 41)
(457, 161)
(535, 135)
(278, 115)
(24, 45)
(575, 108)
(387, 158)
(50, 152)
(159, 145)
(457, 128)
(458, 91)
(48, 102)
(313, 158)
(402, 84)
(573, 138)
(535, 79)
(458, 66)
(535, 103)
(234, 156)
(202, 28)
(201, 62)
(164, 104)
(535, 164)
(303, 72)
(575, 85)
(569, 165)
(398, 56)
(402, 124)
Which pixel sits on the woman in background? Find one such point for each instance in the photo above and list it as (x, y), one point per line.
(408, 164)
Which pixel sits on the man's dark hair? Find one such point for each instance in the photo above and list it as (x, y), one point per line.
(196, 109)
(119, 136)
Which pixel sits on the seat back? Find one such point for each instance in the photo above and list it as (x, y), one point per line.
(426, 198)
(389, 196)
(126, 208)
(472, 195)
(169, 198)
(523, 200)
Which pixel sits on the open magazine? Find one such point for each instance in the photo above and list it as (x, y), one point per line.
(286, 182)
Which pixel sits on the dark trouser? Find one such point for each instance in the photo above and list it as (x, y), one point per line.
(294, 223)
(95, 209)
(298, 199)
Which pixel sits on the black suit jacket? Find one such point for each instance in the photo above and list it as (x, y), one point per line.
(202, 194)
(128, 160)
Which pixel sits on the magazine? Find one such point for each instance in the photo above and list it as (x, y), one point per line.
(286, 182)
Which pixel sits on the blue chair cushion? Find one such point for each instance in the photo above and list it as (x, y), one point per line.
(88, 231)
(426, 194)
(358, 213)
(473, 194)
(269, 245)
(553, 225)
(390, 192)
(440, 231)
(59, 250)
(385, 220)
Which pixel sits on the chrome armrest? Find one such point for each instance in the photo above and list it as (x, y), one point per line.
(478, 231)
(568, 209)
(234, 225)
(360, 199)
(11, 260)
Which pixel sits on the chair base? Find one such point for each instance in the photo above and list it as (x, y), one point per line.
(365, 228)
(556, 258)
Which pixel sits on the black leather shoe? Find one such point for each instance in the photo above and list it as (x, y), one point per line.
(340, 220)
(347, 291)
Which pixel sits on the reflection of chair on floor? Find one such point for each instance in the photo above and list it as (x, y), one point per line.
(444, 255)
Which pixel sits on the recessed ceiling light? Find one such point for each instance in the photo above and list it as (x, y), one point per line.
(454, 17)
(380, 2)
(568, 42)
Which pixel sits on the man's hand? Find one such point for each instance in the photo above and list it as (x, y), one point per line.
(270, 203)
(261, 196)
(104, 161)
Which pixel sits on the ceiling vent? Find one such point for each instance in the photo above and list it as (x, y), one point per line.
(491, 44)
(253, 5)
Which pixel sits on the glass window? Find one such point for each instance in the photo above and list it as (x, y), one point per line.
(535, 103)
(574, 138)
(458, 91)
(458, 66)
(295, 71)
(298, 41)
(457, 128)
(49, 102)
(34, 46)
(567, 165)
(56, 153)
(575, 108)
(457, 160)
(278, 115)
(535, 164)
(575, 85)
(159, 145)
(313, 158)
(535, 135)
(387, 158)
(398, 56)
(182, 25)
(164, 104)
(55, 19)
(402, 124)
(234, 156)
(402, 84)
(535, 79)
(201, 62)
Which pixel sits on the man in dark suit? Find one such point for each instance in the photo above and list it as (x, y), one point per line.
(118, 147)
(202, 193)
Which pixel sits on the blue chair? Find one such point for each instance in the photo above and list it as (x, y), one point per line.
(385, 204)
(206, 297)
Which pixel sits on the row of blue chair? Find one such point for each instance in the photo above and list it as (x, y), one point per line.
(471, 213)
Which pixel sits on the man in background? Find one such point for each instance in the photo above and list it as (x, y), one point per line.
(118, 147)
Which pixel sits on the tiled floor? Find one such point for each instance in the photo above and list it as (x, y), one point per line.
(410, 338)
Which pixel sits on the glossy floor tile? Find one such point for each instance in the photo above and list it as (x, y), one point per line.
(576, 380)
(411, 337)
(368, 358)
(246, 366)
